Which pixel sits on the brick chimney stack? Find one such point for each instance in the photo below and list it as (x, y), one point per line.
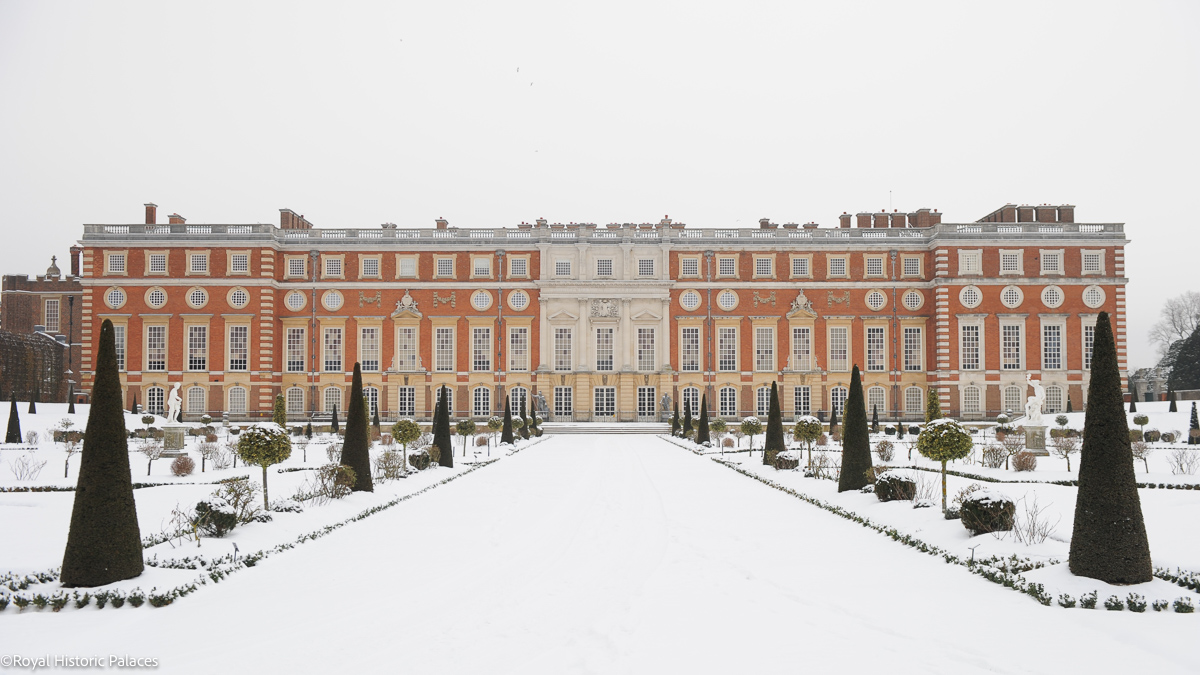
(864, 220)
(1066, 213)
(442, 223)
(151, 214)
(76, 254)
(1047, 214)
(176, 219)
(844, 220)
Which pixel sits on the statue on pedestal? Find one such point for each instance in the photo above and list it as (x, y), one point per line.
(173, 404)
(1033, 406)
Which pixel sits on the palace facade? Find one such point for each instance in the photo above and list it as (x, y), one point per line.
(607, 322)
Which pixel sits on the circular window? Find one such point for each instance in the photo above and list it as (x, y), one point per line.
(913, 300)
(332, 300)
(1093, 296)
(114, 298)
(518, 300)
(970, 297)
(295, 301)
(1052, 296)
(876, 300)
(481, 300)
(689, 300)
(1011, 296)
(156, 297)
(239, 298)
(197, 297)
(727, 300)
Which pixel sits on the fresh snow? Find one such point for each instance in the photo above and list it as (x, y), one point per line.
(595, 554)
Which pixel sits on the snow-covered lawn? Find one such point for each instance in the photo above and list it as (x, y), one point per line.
(609, 554)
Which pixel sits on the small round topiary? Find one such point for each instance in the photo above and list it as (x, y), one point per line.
(944, 440)
(183, 466)
(986, 511)
(892, 486)
(264, 445)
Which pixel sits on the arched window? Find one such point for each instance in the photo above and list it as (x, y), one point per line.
(517, 396)
(481, 402)
(762, 402)
(1014, 400)
(837, 399)
(691, 401)
(1054, 400)
(197, 398)
(970, 400)
(914, 400)
(333, 399)
(155, 400)
(295, 400)
(728, 401)
(372, 396)
(237, 400)
(876, 401)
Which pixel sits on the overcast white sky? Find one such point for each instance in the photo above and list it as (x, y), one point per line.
(491, 113)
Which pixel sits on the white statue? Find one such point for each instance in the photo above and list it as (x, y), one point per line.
(173, 403)
(1033, 406)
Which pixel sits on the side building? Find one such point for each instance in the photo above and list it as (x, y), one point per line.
(609, 322)
(40, 323)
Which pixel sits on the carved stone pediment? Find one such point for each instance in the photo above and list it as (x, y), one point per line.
(801, 306)
(646, 315)
(406, 305)
(605, 308)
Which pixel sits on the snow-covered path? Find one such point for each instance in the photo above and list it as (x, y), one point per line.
(610, 554)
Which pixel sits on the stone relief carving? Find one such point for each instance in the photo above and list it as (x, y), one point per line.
(605, 308)
(364, 299)
(843, 299)
(448, 300)
(770, 299)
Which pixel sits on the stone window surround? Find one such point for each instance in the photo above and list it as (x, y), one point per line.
(229, 271)
(187, 258)
(158, 251)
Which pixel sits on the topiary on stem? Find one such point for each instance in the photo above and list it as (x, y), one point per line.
(751, 426)
(933, 406)
(264, 445)
(1109, 540)
(702, 427)
(774, 443)
(356, 446)
(807, 430)
(944, 440)
(104, 544)
(405, 432)
(856, 440)
(466, 429)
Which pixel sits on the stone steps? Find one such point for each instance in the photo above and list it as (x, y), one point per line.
(556, 428)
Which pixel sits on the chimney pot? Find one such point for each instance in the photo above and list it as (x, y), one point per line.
(151, 214)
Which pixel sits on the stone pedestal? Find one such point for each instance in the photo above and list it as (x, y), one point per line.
(174, 437)
(1035, 440)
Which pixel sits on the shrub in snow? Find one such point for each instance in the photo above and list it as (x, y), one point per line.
(885, 450)
(923, 504)
(1065, 601)
(994, 455)
(867, 489)
(787, 461)
(1160, 605)
(1114, 604)
(1064, 447)
(1025, 461)
(183, 466)
(914, 430)
(727, 442)
(389, 465)
(287, 506)
(1088, 600)
(214, 517)
(889, 430)
(1135, 603)
(1151, 435)
(893, 486)
(986, 511)
(1169, 436)
(944, 440)
(419, 460)
(26, 467)
(482, 441)
(964, 493)
(1184, 605)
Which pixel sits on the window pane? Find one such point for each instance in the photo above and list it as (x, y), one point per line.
(645, 349)
(295, 350)
(604, 349)
(728, 402)
(875, 349)
(481, 349)
(689, 353)
(802, 400)
(197, 347)
(801, 349)
(727, 349)
(1051, 347)
(444, 349)
(156, 348)
(912, 349)
(562, 349)
(369, 346)
(119, 338)
(518, 348)
(764, 349)
(969, 359)
(1010, 347)
(839, 344)
(406, 348)
(239, 348)
(333, 350)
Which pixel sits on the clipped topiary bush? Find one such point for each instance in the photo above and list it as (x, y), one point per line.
(786, 461)
(893, 486)
(419, 460)
(183, 466)
(885, 450)
(1024, 461)
(215, 517)
(986, 511)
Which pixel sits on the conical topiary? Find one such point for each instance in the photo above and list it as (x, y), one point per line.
(1171, 397)
(774, 443)
(856, 441)
(702, 428)
(933, 406)
(356, 446)
(33, 397)
(687, 421)
(506, 433)
(833, 420)
(133, 408)
(524, 422)
(71, 400)
(104, 544)
(1132, 399)
(675, 420)
(441, 432)
(333, 426)
(875, 419)
(1109, 538)
(1069, 408)
(1195, 425)
(279, 412)
(14, 423)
